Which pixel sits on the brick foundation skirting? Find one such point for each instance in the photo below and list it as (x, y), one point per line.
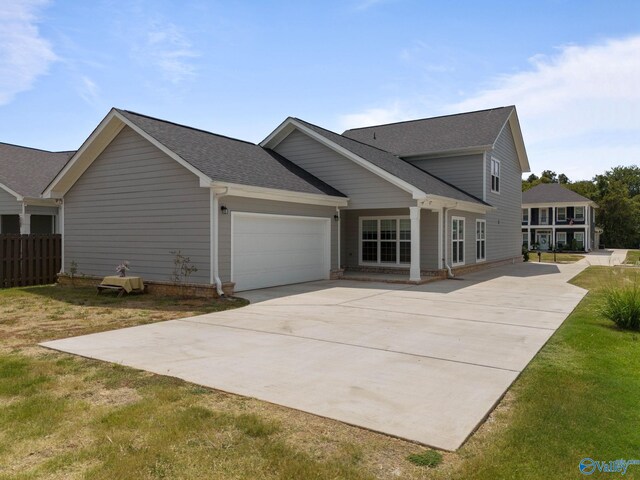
(157, 288)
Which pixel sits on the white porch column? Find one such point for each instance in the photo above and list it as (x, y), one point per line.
(414, 271)
(25, 221)
(440, 239)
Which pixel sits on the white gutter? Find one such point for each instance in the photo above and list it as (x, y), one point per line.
(214, 275)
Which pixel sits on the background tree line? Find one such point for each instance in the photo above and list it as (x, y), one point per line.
(617, 193)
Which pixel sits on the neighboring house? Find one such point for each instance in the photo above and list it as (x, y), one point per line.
(553, 215)
(301, 206)
(24, 174)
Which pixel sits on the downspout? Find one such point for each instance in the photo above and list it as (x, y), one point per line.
(215, 210)
(60, 202)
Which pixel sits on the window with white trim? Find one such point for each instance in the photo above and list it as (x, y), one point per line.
(457, 240)
(561, 214)
(561, 239)
(495, 175)
(544, 216)
(579, 238)
(385, 240)
(578, 214)
(481, 240)
(525, 215)
(525, 239)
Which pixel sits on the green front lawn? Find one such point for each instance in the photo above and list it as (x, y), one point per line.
(548, 257)
(63, 416)
(633, 257)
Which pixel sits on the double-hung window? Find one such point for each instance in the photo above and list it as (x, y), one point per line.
(385, 241)
(525, 216)
(544, 216)
(561, 239)
(561, 214)
(578, 214)
(481, 240)
(495, 175)
(457, 240)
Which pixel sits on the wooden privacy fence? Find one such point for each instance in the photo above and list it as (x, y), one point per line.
(29, 259)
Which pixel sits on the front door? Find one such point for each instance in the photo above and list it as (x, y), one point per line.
(543, 239)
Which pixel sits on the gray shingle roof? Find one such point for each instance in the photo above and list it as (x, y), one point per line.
(27, 171)
(230, 160)
(438, 134)
(396, 166)
(551, 192)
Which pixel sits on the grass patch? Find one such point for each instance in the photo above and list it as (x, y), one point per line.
(548, 257)
(633, 257)
(428, 458)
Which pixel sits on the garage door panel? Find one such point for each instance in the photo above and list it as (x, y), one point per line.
(270, 250)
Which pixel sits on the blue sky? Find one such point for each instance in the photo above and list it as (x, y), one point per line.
(239, 68)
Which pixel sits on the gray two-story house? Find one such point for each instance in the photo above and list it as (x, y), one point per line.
(554, 216)
(417, 199)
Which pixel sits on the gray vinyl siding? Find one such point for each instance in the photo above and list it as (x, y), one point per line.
(241, 204)
(39, 210)
(464, 172)
(351, 236)
(8, 204)
(469, 235)
(364, 189)
(504, 237)
(135, 203)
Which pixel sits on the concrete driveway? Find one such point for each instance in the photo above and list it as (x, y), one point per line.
(426, 363)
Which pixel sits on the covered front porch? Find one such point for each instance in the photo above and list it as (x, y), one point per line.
(406, 245)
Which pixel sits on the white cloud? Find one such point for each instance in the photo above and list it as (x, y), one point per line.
(395, 112)
(89, 90)
(24, 54)
(581, 96)
(169, 50)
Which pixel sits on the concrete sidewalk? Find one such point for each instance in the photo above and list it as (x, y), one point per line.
(426, 363)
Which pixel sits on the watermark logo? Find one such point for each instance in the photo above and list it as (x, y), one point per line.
(588, 466)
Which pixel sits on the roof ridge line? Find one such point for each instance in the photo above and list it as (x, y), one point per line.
(169, 122)
(350, 139)
(429, 118)
(34, 148)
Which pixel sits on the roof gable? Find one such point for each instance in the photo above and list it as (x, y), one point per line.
(552, 193)
(25, 171)
(463, 132)
(211, 157)
(399, 172)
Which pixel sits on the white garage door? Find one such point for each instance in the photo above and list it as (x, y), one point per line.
(269, 250)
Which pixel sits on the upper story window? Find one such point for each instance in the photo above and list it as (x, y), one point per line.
(495, 175)
(561, 214)
(525, 215)
(544, 216)
(578, 214)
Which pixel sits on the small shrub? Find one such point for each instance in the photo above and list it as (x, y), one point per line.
(525, 254)
(622, 306)
(428, 458)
